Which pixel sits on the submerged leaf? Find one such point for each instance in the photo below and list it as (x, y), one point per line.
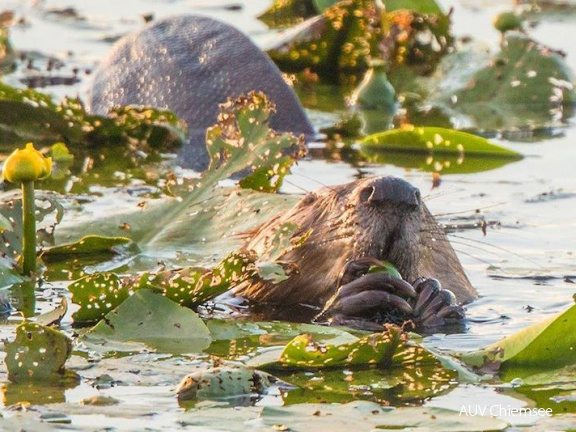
(37, 354)
(154, 320)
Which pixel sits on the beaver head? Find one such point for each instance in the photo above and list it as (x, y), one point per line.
(382, 218)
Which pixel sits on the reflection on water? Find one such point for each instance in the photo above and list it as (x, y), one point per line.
(535, 236)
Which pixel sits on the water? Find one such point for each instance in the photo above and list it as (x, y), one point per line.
(534, 200)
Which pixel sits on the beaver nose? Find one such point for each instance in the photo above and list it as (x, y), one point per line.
(391, 189)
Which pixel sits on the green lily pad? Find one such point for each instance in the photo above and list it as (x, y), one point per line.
(222, 382)
(154, 320)
(436, 141)
(525, 86)
(99, 293)
(37, 354)
(341, 41)
(376, 349)
(89, 245)
(546, 345)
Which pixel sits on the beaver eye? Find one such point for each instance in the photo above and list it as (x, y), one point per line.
(366, 193)
(309, 199)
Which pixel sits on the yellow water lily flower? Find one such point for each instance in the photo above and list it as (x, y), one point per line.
(26, 165)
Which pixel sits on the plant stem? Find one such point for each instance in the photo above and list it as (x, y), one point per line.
(29, 228)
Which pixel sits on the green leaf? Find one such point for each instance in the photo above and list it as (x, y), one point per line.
(242, 141)
(376, 349)
(28, 115)
(89, 245)
(386, 268)
(154, 320)
(341, 41)
(436, 141)
(545, 345)
(525, 86)
(422, 6)
(97, 295)
(222, 382)
(37, 354)
(442, 163)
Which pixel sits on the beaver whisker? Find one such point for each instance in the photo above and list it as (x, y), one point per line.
(499, 248)
(461, 252)
(477, 209)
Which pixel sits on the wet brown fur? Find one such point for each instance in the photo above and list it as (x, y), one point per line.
(344, 227)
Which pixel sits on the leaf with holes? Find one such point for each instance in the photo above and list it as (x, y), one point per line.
(91, 245)
(97, 295)
(28, 115)
(100, 293)
(376, 349)
(37, 354)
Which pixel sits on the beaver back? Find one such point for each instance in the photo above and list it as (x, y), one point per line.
(190, 64)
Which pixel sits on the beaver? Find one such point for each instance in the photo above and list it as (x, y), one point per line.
(354, 226)
(190, 65)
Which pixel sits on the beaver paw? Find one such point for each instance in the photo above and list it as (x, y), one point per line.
(379, 297)
(435, 306)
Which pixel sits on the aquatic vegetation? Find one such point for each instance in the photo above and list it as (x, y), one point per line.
(26, 167)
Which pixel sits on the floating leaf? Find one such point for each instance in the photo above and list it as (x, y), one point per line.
(303, 352)
(442, 163)
(241, 142)
(525, 86)
(54, 316)
(154, 320)
(545, 345)
(89, 245)
(37, 354)
(97, 295)
(433, 141)
(222, 382)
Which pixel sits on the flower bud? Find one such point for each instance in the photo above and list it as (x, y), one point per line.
(26, 165)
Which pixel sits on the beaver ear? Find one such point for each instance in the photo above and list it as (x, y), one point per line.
(366, 194)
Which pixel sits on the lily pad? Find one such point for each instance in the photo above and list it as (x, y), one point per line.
(436, 141)
(37, 354)
(154, 320)
(89, 245)
(525, 86)
(549, 344)
(376, 349)
(222, 382)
